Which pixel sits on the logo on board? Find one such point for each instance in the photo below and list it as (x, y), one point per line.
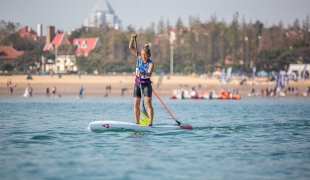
(106, 125)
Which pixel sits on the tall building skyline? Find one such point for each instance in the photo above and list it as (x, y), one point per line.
(103, 14)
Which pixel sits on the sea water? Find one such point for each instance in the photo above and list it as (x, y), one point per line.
(251, 138)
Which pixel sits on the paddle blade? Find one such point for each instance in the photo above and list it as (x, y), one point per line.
(144, 118)
(186, 126)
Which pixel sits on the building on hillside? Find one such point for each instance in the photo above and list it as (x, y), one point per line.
(103, 15)
(66, 50)
(10, 55)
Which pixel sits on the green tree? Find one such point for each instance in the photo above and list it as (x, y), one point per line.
(6, 29)
(7, 66)
(78, 32)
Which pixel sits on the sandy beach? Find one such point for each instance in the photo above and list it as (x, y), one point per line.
(95, 85)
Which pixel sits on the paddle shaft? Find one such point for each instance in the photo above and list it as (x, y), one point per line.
(162, 102)
(142, 94)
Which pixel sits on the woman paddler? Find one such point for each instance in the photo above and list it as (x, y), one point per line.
(144, 70)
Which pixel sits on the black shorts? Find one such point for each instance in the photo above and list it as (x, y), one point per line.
(147, 90)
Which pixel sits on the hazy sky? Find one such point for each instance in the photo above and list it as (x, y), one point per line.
(69, 14)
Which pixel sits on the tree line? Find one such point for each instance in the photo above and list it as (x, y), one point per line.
(201, 47)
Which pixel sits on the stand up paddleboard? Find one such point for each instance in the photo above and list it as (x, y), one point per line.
(109, 125)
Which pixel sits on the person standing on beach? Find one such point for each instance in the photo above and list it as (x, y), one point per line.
(30, 90)
(11, 89)
(144, 70)
(81, 92)
(54, 90)
(47, 91)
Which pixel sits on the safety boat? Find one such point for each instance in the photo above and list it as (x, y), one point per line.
(185, 94)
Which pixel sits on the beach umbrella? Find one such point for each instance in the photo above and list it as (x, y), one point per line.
(262, 73)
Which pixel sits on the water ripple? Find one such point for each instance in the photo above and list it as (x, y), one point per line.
(262, 139)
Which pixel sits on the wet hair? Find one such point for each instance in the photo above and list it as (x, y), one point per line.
(147, 49)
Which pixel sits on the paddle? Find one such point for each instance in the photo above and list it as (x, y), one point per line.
(179, 123)
(144, 118)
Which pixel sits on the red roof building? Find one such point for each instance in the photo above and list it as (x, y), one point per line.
(28, 32)
(82, 46)
(65, 59)
(85, 45)
(8, 53)
(58, 40)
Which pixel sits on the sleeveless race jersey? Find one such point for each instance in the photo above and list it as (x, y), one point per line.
(144, 79)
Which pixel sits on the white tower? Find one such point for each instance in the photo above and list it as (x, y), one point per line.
(39, 30)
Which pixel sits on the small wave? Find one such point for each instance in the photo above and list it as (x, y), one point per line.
(219, 136)
(305, 124)
(222, 128)
(251, 126)
(42, 137)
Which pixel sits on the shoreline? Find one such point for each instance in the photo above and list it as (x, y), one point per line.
(95, 85)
